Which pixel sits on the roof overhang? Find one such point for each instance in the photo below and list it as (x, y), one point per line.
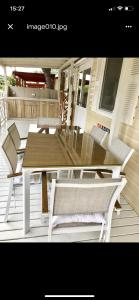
(33, 77)
(36, 62)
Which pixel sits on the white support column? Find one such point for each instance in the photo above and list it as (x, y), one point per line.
(70, 93)
(26, 202)
(59, 80)
(118, 109)
(5, 81)
(5, 92)
(116, 120)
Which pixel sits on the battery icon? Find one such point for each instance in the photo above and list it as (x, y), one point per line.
(129, 8)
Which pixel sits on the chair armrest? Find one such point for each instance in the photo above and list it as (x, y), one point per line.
(20, 174)
(24, 138)
(100, 174)
(20, 151)
(14, 175)
(89, 171)
(109, 172)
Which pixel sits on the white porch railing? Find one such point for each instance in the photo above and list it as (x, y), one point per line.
(2, 110)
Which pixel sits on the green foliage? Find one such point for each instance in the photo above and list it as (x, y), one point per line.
(1, 82)
(10, 81)
(85, 89)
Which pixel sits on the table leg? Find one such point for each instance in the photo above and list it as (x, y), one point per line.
(44, 193)
(26, 202)
(47, 130)
(117, 205)
(116, 174)
(41, 130)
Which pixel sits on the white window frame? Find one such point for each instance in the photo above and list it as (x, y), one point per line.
(96, 108)
(84, 66)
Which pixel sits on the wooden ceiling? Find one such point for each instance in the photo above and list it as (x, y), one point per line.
(30, 62)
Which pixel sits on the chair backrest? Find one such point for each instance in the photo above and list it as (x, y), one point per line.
(121, 151)
(13, 131)
(98, 134)
(84, 196)
(10, 153)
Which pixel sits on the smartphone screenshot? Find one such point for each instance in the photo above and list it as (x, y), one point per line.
(69, 149)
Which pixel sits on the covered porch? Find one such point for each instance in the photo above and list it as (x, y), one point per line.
(78, 108)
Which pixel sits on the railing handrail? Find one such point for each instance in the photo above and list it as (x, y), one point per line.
(2, 98)
(2, 110)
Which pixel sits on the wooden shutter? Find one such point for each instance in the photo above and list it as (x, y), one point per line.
(96, 82)
(128, 90)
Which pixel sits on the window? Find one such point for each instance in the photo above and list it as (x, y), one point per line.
(110, 83)
(83, 87)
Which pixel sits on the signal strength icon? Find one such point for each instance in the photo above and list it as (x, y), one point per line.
(112, 8)
(119, 7)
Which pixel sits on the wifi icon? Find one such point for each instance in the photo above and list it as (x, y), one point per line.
(119, 7)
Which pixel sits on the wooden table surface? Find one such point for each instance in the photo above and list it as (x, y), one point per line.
(53, 150)
(45, 151)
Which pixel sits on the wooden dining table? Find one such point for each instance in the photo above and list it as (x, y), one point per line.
(71, 149)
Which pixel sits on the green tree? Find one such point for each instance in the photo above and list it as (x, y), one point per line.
(1, 82)
(10, 81)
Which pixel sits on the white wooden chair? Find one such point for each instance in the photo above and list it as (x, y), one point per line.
(123, 153)
(98, 135)
(83, 205)
(15, 170)
(17, 140)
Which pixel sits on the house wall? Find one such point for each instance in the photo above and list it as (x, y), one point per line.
(93, 118)
(128, 133)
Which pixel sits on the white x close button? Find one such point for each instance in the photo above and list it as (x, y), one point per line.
(10, 26)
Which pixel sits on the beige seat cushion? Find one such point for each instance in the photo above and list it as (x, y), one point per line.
(78, 218)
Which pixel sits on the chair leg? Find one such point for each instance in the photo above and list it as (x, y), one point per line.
(49, 238)
(58, 174)
(104, 237)
(49, 234)
(107, 235)
(101, 232)
(70, 174)
(118, 206)
(81, 174)
(118, 212)
(9, 200)
(14, 196)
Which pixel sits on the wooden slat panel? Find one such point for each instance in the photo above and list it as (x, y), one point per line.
(131, 238)
(19, 217)
(125, 222)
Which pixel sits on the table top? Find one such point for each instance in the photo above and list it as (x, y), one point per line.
(68, 149)
(48, 122)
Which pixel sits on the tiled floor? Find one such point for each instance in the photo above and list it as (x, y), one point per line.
(125, 227)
